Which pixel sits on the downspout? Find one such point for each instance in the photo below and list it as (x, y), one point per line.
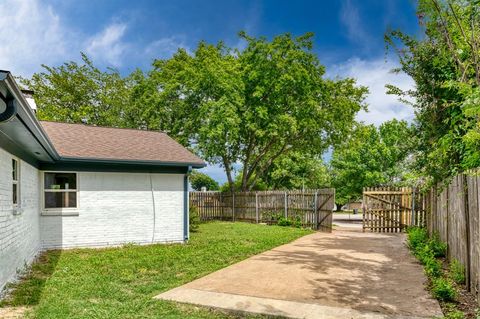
(186, 205)
(154, 209)
(10, 110)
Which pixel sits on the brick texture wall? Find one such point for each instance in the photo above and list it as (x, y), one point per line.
(19, 231)
(114, 209)
(118, 208)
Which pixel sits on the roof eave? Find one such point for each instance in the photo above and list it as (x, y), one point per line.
(25, 113)
(66, 159)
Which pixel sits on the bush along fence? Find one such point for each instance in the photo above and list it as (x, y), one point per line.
(455, 218)
(309, 208)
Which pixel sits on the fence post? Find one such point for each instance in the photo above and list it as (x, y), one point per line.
(221, 207)
(413, 207)
(315, 212)
(256, 206)
(286, 205)
(233, 206)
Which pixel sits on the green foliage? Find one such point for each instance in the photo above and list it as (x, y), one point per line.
(426, 250)
(417, 238)
(371, 156)
(193, 218)
(199, 180)
(457, 272)
(454, 314)
(432, 266)
(295, 221)
(250, 106)
(438, 247)
(443, 289)
(266, 103)
(77, 93)
(298, 170)
(272, 216)
(445, 65)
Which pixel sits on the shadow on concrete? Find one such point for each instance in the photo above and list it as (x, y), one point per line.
(366, 272)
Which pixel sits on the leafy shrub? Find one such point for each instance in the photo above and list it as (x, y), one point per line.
(443, 289)
(295, 222)
(438, 247)
(272, 216)
(457, 272)
(282, 221)
(433, 267)
(455, 314)
(417, 237)
(194, 219)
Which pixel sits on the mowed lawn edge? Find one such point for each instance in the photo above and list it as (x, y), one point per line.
(121, 282)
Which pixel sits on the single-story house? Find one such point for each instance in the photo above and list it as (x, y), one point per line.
(358, 205)
(73, 185)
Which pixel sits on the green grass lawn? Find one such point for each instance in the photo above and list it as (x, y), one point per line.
(120, 282)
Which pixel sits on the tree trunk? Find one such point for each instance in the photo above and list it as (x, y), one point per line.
(228, 171)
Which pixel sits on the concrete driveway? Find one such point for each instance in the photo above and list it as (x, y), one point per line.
(345, 274)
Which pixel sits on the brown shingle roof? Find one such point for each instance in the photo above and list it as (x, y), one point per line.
(94, 142)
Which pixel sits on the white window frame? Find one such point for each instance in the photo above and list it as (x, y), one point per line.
(16, 182)
(64, 211)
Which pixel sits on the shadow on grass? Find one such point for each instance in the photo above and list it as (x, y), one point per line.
(27, 291)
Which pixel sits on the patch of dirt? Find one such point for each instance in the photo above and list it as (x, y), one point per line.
(13, 312)
(466, 303)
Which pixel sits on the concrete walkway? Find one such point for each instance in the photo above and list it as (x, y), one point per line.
(345, 274)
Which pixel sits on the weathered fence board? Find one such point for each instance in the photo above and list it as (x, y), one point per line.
(312, 208)
(473, 193)
(455, 216)
(392, 209)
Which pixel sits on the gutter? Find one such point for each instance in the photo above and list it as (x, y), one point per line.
(10, 110)
(26, 115)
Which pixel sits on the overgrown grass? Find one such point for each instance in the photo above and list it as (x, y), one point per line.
(457, 272)
(120, 282)
(428, 251)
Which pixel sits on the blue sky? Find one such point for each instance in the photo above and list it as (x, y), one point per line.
(130, 34)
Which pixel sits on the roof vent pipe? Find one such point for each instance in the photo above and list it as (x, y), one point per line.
(8, 108)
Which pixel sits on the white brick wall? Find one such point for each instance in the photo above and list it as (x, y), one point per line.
(19, 234)
(117, 208)
(114, 208)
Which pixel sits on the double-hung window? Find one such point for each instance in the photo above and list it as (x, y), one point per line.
(15, 182)
(59, 191)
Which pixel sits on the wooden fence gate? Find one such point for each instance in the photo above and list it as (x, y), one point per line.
(392, 209)
(311, 208)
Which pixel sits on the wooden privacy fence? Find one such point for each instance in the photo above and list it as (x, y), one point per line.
(392, 209)
(312, 208)
(455, 217)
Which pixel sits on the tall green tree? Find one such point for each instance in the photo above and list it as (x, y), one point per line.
(249, 106)
(372, 156)
(76, 93)
(445, 65)
(198, 180)
(298, 171)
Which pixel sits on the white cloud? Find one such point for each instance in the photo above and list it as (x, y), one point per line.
(165, 47)
(375, 74)
(108, 46)
(350, 18)
(31, 34)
